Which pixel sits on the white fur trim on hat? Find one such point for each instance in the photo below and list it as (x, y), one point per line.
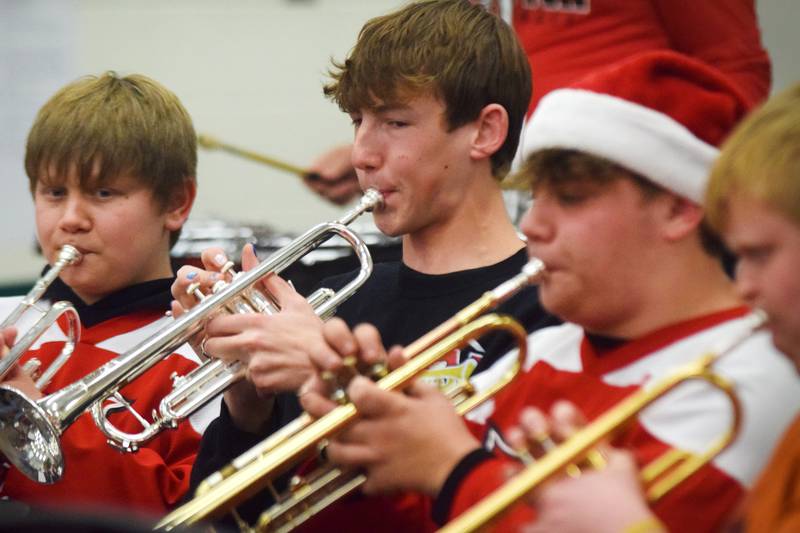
(647, 142)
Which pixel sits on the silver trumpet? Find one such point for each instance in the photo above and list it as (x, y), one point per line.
(67, 255)
(31, 429)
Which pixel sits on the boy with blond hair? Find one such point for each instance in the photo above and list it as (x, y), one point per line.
(111, 162)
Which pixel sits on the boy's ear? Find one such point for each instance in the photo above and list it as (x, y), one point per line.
(491, 131)
(180, 205)
(681, 217)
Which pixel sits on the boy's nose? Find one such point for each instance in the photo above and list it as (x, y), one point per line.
(75, 216)
(366, 154)
(747, 283)
(535, 224)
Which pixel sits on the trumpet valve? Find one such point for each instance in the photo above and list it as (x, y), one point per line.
(297, 484)
(573, 471)
(218, 286)
(378, 371)
(227, 269)
(338, 393)
(194, 290)
(350, 362)
(338, 380)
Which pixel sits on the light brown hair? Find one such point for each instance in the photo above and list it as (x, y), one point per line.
(453, 49)
(557, 167)
(129, 124)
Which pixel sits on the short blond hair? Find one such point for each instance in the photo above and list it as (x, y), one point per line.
(761, 160)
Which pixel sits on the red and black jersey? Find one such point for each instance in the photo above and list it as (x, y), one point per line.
(565, 363)
(153, 479)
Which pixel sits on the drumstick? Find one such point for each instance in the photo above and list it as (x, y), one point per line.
(211, 143)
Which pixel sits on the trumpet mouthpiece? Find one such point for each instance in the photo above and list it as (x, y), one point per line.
(758, 319)
(69, 255)
(533, 269)
(372, 199)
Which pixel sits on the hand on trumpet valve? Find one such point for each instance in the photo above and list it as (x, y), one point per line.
(602, 494)
(270, 331)
(345, 354)
(193, 284)
(406, 440)
(538, 434)
(16, 377)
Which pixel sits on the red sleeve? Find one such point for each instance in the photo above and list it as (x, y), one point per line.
(482, 481)
(723, 34)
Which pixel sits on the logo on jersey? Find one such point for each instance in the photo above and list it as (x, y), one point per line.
(456, 368)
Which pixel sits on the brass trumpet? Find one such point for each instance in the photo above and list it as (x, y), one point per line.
(259, 467)
(31, 429)
(67, 255)
(659, 477)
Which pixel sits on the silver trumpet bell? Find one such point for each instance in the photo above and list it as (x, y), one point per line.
(31, 429)
(9, 433)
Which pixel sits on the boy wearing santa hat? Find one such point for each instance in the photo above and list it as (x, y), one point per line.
(617, 165)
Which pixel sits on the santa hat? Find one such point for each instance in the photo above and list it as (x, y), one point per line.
(659, 114)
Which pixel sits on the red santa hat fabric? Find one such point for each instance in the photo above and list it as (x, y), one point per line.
(660, 114)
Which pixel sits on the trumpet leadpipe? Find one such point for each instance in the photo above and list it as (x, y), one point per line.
(67, 255)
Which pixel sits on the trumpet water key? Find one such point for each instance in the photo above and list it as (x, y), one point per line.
(659, 477)
(258, 468)
(31, 429)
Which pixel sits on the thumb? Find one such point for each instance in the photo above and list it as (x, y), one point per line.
(249, 258)
(9, 335)
(422, 390)
(283, 292)
(370, 400)
(396, 357)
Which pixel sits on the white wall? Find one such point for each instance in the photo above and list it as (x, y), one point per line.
(249, 72)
